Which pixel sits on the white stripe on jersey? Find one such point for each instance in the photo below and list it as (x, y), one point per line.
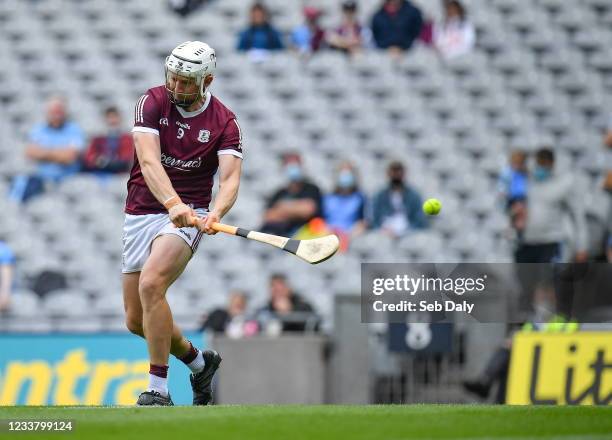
(136, 109)
(142, 108)
(139, 108)
(239, 134)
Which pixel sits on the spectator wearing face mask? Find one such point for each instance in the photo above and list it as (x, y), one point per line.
(344, 208)
(397, 208)
(294, 205)
(552, 199)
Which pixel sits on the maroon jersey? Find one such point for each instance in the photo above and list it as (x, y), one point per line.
(190, 145)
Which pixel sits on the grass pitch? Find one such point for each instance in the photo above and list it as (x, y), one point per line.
(393, 422)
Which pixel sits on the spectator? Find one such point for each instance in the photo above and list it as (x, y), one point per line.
(112, 152)
(551, 199)
(397, 25)
(296, 204)
(55, 146)
(7, 261)
(231, 320)
(513, 179)
(397, 208)
(286, 306)
(350, 37)
(260, 34)
(513, 190)
(310, 36)
(455, 36)
(344, 209)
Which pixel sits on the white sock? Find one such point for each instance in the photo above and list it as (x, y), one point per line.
(159, 384)
(197, 364)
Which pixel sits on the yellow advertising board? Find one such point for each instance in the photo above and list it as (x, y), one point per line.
(560, 368)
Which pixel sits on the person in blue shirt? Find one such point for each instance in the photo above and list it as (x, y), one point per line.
(310, 36)
(344, 208)
(513, 179)
(513, 190)
(398, 208)
(7, 261)
(55, 146)
(260, 34)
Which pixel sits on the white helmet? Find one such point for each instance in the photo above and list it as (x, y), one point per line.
(193, 61)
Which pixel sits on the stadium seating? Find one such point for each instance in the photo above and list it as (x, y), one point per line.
(540, 74)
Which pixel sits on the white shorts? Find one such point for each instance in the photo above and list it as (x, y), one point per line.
(139, 231)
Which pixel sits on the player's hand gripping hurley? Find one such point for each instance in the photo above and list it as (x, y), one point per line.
(314, 251)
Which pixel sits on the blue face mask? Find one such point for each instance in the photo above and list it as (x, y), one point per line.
(346, 179)
(293, 171)
(541, 173)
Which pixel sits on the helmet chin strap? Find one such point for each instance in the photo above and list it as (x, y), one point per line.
(201, 95)
(187, 105)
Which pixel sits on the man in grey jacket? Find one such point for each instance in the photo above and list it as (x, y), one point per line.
(551, 198)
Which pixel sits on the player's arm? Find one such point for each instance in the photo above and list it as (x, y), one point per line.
(229, 181)
(148, 152)
(230, 165)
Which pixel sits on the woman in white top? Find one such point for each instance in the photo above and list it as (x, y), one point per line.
(455, 36)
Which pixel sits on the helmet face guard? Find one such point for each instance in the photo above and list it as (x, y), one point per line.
(186, 69)
(184, 89)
